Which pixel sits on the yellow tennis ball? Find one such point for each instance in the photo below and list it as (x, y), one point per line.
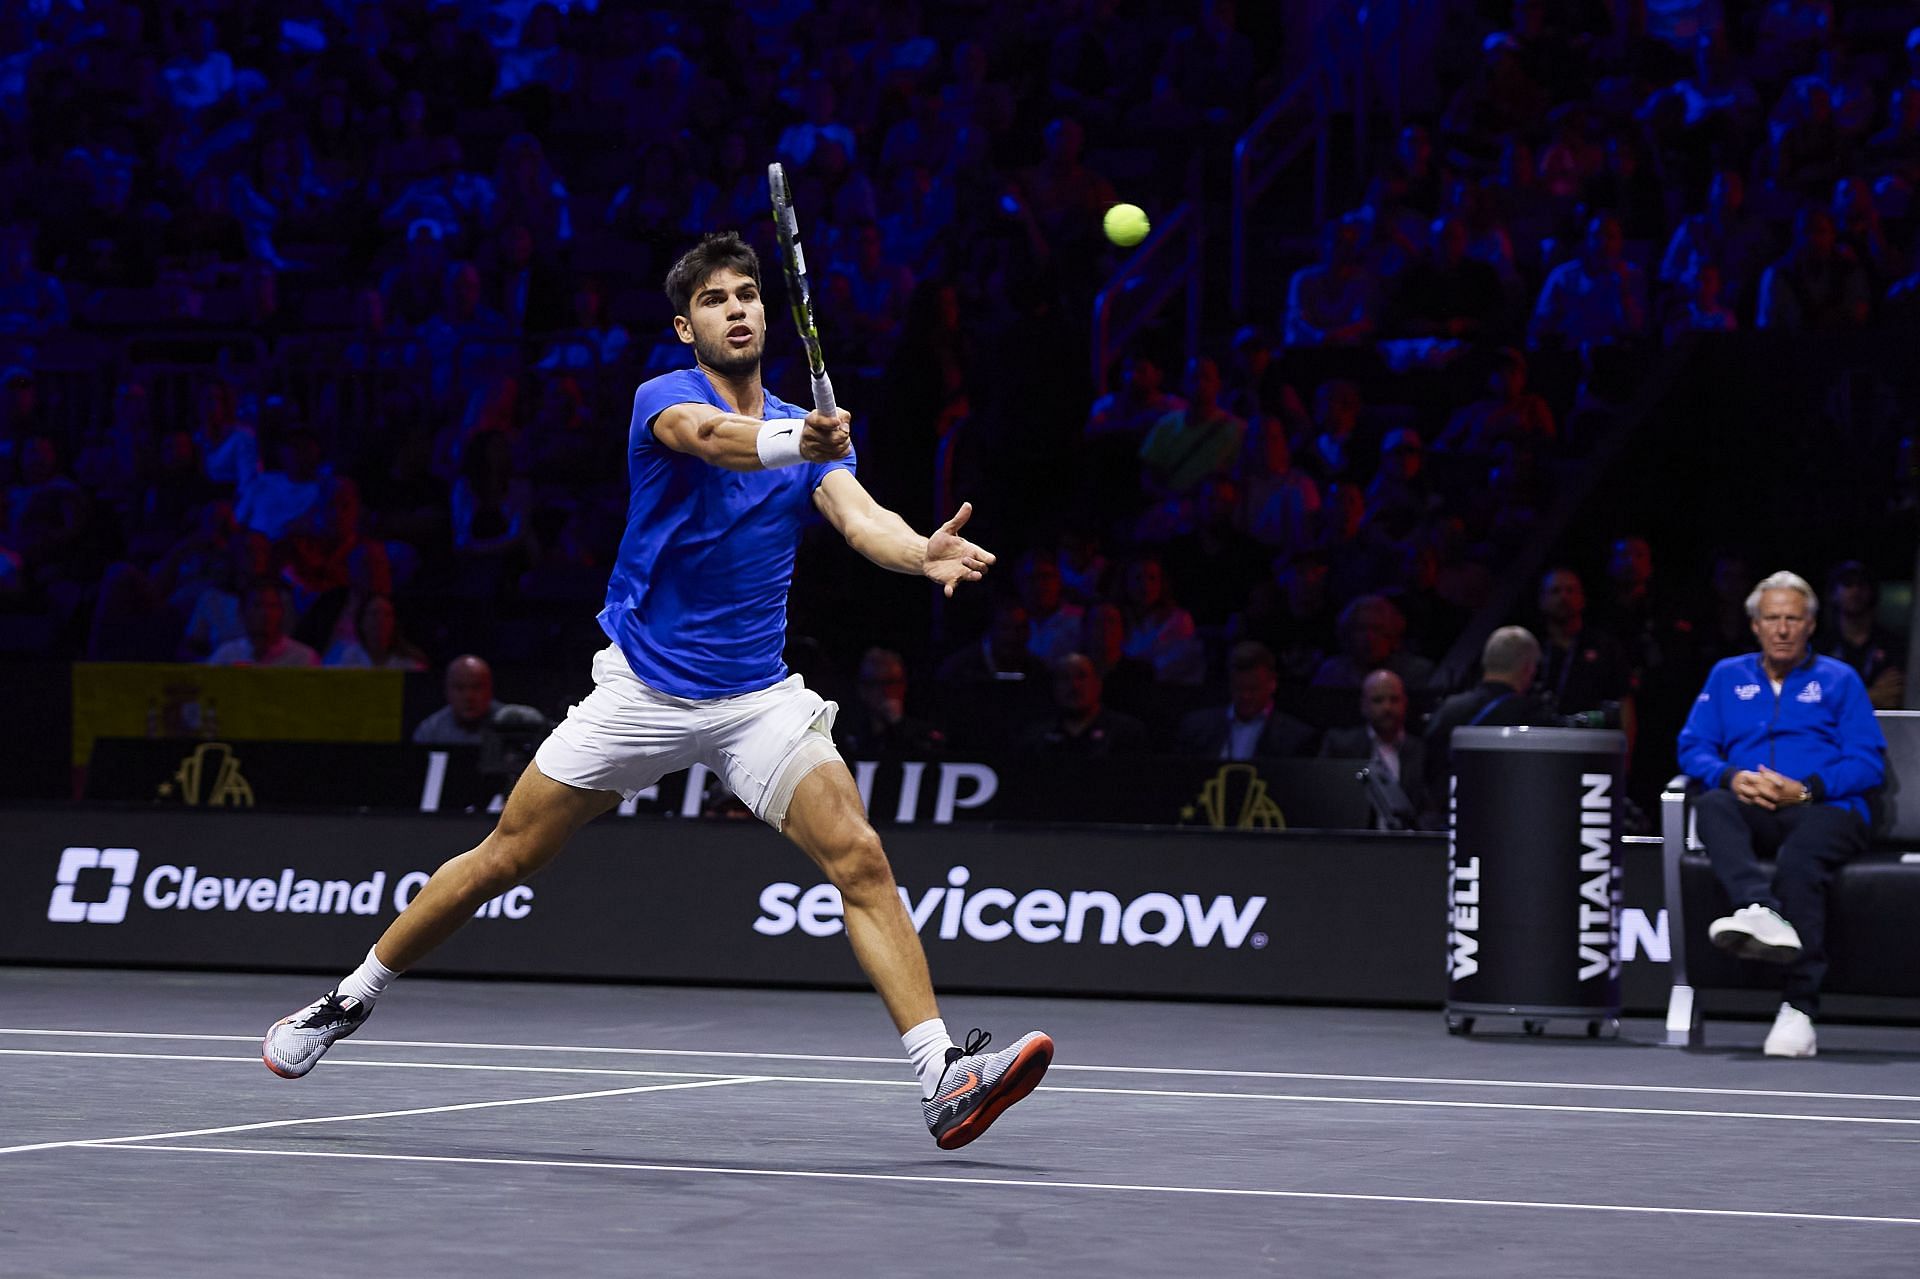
(1126, 225)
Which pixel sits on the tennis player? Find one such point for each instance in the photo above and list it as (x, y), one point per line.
(723, 477)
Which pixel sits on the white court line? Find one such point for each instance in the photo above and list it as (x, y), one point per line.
(1194, 1071)
(1177, 1094)
(379, 1114)
(334, 1062)
(1027, 1183)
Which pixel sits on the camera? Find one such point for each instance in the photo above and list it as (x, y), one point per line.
(1606, 715)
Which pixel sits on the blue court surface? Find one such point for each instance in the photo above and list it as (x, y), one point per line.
(494, 1129)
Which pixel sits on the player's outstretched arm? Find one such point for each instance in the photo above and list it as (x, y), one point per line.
(945, 559)
(735, 442)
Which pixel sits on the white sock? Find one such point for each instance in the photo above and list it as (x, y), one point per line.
(367, 981)
(926, 1046)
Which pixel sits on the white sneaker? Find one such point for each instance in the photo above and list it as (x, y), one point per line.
(1792, 1034)
(1756, 932)
(295, 1043)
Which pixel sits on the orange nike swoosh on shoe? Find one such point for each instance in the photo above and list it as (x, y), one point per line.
(972, 1081)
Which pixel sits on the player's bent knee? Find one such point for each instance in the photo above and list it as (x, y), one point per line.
(860, 870)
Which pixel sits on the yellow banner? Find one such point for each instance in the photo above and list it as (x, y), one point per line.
(243, 703)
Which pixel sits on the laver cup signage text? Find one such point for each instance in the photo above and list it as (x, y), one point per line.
(1177, 914)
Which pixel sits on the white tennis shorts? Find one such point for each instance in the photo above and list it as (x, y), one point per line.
(625, 736)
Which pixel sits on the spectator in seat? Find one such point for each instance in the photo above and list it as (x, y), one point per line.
(276, 500)
(1053, 625)
(1001, 653)
(263, 610)
(798, 140)
(1786, 744)
(1397, 758)
(1818, 286)
(1372, 635)
(526, 289)
(1700, 310)
(1509, 662)
(1723, 234)
(32, 303)
(1597, 298)
(877, 723)
(1248, 726)
(1853, 635)
(593, 341)
(1081, 724)
(1192, 444)
(1085, 571)
(1159, 631)
(471, 717)
(1581, 667)
(414, 287)
(881, 290)
(1857, 223)
(1335, 303)
(1448, 294)
(1103, 635)
(228, 448)
(1279, 502)
(1332, 454)
(1138, 405)
(1401, 497)
(46, 514)
(1511, 413)
(529, 194)
(377, 642)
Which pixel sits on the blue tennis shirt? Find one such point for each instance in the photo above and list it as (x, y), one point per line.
(698, 596)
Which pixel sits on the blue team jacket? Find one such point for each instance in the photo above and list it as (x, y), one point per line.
(1819, 728)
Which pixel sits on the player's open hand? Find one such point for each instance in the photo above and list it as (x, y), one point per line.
(952, 559)
(825, 439)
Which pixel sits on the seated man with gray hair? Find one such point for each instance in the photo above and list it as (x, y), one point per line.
(1786, 743)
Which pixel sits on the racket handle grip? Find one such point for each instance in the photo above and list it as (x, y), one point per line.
(823, 395)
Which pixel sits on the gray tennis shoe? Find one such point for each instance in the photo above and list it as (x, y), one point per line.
(977, 1086)
(295, 1044)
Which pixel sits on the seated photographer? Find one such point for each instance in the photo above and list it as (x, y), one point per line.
(1508, 664)
(507, 734)
(1396, 759)
(1786, 743)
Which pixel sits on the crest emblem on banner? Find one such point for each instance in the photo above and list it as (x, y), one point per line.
(210, 762)
(1237, 798)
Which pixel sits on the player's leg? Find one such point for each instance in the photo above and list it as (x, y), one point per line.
(966, 1087)
(826, 819)
(619, 739)
(540, 816)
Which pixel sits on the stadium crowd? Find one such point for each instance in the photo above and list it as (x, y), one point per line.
(319, 321)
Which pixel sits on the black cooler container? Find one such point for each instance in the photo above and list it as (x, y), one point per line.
(1533, 895)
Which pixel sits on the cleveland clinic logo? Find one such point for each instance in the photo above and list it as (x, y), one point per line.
(64, 908)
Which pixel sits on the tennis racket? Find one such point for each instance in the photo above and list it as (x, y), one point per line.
(794, 263)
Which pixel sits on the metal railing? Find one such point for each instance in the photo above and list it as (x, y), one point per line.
(1259, 161)
(1168, 262)
(1358, 52)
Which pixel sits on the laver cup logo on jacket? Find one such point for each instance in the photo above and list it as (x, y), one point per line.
(113, 873)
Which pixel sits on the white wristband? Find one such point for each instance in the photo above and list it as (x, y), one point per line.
(779, 443)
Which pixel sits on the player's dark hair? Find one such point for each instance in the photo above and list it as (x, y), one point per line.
(716, 251)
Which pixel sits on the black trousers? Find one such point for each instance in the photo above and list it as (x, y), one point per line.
(1809, 843)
